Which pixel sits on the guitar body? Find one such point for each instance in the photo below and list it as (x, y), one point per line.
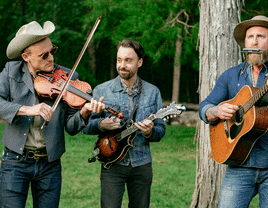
(112, 150)
(231, 142)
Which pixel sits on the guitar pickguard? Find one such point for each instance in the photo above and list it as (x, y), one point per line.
(236, 129)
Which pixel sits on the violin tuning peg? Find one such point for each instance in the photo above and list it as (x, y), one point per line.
(164, 119)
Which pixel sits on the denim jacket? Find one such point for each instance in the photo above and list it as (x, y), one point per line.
(17, 89)
(149, 103)
(227, 86)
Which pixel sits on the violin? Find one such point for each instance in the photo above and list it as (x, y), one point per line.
(76, 94)
(58, 83)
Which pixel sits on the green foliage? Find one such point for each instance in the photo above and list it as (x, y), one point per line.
(147, 21)
(253, 8)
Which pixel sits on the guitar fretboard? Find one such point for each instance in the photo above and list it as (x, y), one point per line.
(258, 95)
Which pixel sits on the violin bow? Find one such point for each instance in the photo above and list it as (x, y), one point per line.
(74, 68)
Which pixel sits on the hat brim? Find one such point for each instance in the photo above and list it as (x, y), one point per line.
(241, 28)
(22, 41)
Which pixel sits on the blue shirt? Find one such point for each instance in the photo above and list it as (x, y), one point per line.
(115, 95)
(227, 86)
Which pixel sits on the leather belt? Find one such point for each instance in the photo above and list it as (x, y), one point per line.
(32, 154)
(35, 154)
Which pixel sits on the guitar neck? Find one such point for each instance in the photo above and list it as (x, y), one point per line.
(256, 97)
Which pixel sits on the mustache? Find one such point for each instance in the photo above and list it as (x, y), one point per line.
(123, 69)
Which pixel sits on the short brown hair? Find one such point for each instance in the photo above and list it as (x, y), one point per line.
(129, 43)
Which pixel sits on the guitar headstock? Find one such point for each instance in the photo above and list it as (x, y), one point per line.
(172, 109)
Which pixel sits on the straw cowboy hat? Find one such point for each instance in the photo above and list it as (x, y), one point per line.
(27, 35)
(241, 28)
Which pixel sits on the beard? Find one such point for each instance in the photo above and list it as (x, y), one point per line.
(125, 74)
(257, 59)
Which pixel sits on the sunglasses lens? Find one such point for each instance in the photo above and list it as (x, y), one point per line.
(53, 51)
(45, 55)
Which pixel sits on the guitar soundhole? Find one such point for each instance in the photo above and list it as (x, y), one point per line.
(235, 129)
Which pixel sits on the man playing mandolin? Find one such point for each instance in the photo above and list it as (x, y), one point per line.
(137, 100)
(242, 181)
(31, 154)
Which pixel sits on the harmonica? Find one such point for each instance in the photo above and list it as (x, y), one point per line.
(251, 50)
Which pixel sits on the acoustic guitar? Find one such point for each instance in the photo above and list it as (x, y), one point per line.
(113, 147)
(232, 140)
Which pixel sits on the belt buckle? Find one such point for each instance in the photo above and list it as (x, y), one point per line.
(31, 154)
(35, 154)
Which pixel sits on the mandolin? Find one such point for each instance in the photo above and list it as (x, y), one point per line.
(113, 147)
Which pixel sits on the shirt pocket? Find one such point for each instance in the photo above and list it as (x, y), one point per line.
(146, 111)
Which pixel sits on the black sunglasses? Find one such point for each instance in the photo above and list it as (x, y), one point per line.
(52, 51)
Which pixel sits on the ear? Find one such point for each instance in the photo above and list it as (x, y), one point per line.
(140, 62)
(25, 57)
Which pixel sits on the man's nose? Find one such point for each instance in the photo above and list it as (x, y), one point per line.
(255, 40)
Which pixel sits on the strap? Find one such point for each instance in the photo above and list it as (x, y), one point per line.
(132, 115)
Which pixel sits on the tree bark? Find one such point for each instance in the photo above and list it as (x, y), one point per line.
(92, 61)
(177, 67)
(218, 51)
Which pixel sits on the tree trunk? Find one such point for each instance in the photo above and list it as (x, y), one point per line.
(177, 68)
(92, 61)
(218, 51)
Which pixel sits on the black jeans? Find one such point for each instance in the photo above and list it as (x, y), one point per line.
(138, 181)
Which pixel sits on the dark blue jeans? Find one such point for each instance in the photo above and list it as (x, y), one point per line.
(138, 181)
(240, 185)
(17, 172)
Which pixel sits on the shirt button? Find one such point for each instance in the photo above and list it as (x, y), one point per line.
(238, 84)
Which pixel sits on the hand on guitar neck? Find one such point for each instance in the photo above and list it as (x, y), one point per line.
(224, 112)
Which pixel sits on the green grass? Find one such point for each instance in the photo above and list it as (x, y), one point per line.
(173, 165)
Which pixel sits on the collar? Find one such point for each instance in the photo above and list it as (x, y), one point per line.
(119, 85)
(134, 89)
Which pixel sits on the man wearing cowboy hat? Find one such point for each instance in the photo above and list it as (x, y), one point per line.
(242, 183)
(33, 154)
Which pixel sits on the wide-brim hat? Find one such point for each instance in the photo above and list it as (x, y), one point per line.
(241, 28)
(27, 35)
